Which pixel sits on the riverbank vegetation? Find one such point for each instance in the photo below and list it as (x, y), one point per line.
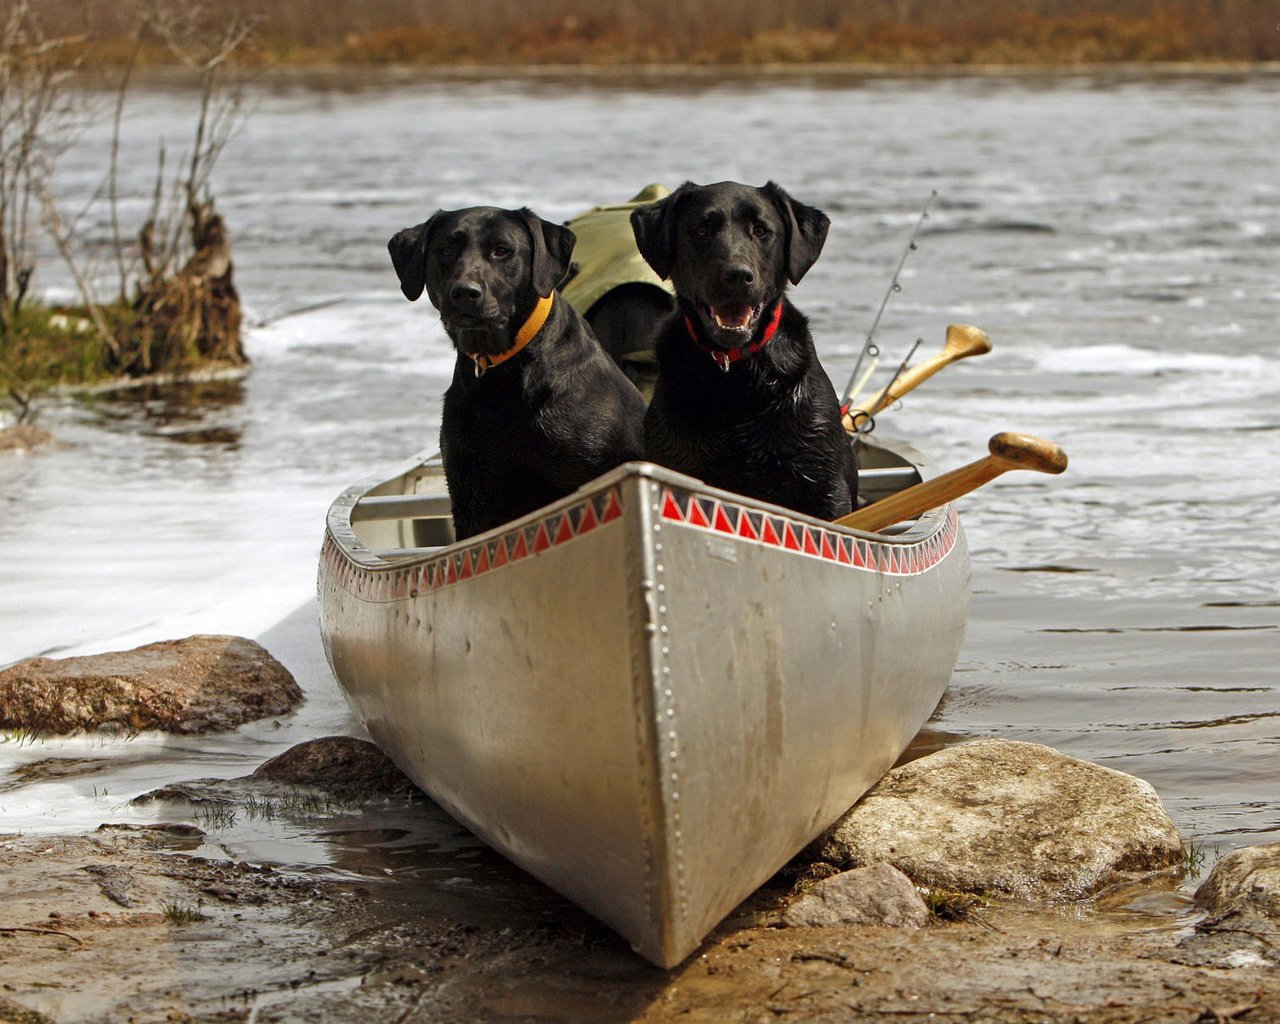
(158, 296)
(909, 33)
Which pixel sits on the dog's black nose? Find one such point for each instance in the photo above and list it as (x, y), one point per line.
(738, 274)
(465, 293)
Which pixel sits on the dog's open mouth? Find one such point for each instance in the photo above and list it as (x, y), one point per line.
(738, 317)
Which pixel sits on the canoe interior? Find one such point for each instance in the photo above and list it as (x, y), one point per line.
(651, 694)
(379, 528)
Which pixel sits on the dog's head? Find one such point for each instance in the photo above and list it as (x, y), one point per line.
(730, 250)
(484, 269)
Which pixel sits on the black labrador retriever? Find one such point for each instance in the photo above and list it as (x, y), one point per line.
(741, 400)
(536, 408)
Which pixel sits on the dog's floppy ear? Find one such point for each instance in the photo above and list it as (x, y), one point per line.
(408, 250)
(552, 251)
(654, 226)
(806, 232)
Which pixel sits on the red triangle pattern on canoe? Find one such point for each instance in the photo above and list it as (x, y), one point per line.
(677, 507)
(810, 545)
(809, 540)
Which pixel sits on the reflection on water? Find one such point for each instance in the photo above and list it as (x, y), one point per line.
(186, 412)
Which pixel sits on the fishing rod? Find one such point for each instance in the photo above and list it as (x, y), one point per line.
(963, 341)
(862, 419)
(897, 375)
(869, 347)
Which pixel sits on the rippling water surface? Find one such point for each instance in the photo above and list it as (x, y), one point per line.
(1119, 240)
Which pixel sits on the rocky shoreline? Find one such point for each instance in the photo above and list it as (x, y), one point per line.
(992, 881)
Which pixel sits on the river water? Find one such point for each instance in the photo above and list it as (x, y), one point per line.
(1118, 238)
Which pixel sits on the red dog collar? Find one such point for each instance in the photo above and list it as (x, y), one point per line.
(726, 357)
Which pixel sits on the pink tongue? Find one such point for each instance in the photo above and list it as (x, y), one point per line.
(733, 314)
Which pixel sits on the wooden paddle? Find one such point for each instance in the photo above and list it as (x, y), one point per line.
(1008, 451)
(963, 340)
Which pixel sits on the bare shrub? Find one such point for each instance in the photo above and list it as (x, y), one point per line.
(39, 118)
(176, 304)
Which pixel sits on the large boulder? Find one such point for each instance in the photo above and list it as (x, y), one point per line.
(999, 816)
(200, 684)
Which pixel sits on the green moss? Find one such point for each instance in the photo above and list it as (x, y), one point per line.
(945, 905)
(43, 347)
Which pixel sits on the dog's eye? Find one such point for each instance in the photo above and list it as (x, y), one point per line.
(501, 252)
(701, 231)
(759, 230)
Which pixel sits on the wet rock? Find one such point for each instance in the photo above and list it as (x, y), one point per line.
(336, 762)
(179, 830)
(114, 881)
(998, 816)
(1241, 898)
(1227, 948)
(12, 1013)
(24, 437)
(1245, 883)
(341, 768)
(878, 894)
(200, 684)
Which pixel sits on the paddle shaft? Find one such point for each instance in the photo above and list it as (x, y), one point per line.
(1008, 451)
(963, 340)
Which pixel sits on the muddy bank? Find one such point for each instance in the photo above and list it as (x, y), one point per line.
(216, 940)
(414, 920)
(411, 919)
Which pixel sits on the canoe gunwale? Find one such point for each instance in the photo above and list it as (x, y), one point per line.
(346, 540)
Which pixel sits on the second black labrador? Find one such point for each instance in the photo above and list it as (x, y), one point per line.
(536, 408)
(741, 400)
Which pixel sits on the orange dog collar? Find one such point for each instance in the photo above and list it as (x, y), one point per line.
(525, 335)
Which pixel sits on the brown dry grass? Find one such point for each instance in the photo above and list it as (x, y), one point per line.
(896, 32)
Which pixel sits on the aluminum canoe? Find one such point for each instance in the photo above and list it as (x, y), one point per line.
(651, 694)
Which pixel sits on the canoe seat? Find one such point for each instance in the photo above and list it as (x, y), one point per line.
(401, 506)
(874, 484)
(403, 524)
(396, 554)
